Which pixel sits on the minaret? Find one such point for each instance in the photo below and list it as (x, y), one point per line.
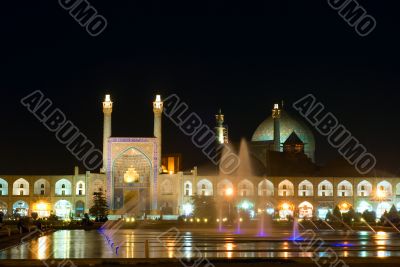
(276, 115)
(107, 110)
(220, 130)
(158, 109)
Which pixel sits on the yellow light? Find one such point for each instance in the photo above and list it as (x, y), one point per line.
(345, 206)
(205, 220)
(41, 206)
(217, 220)
(229, 191)
(185, 220)
(108, 98)
(285, 206)
(362, 219)
(191, 219)
(171, 172)
(240, 219)
(131, 175)
(197, 220)
(128, 219)
(224, 219)
(132, 219)
(259, 210)
(381, 193)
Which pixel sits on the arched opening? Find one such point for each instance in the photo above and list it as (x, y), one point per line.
(225, 187)
(131, 179)
(345, 189)
(285, 189)
(305, 210)
(63, 187)
(364, 189)
(363, 206)
(63, 209)
(42, 209)
(21, 187)
(305, 189)
(344, 207)
(80, 188)
(3, 187)
(21, 208)
(246, 188)
(79, 208)
(383, 190)
(188, 188)
(204, 188)
(286, 210)
(265, 188)
(41, 187)
(325, 189)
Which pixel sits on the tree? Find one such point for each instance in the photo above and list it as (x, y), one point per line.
(100, 207)
(349, 216)
(393, 215)
(34, 215)
(337, 215)
(204, 207)
(369, 216)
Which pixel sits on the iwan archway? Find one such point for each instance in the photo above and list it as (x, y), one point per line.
(133, 177)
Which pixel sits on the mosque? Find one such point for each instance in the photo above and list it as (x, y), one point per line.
(138, 179)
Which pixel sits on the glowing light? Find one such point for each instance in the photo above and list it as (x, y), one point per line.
(187, 209)
(158, 104)
(171, 172)
(276, 106)
(381, 193)
(131, 175)
(41, 206)
(229, 191)
(245, 205)
(108, 98)
(240, 219)
(224, 219)
(285, 206)
(128, 219)
(191, 219)
(132, 219)
(217, 220)
(205, 220)
(197, 220)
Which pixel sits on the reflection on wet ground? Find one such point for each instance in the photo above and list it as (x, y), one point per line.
(188, 243)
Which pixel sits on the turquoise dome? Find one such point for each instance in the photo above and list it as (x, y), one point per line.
(288, 124)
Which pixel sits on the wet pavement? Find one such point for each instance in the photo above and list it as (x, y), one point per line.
(80, 244)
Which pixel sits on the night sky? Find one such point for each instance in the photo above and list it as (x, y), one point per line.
(238, 56)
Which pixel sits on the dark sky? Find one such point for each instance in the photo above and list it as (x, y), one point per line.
(240, 56)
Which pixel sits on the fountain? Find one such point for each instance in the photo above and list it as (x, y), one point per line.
(261, 231)
(238, 221)
(325, 222)
(367, 224)
(394, 227)
(219, 220)
(295, 232)
(316, 227)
